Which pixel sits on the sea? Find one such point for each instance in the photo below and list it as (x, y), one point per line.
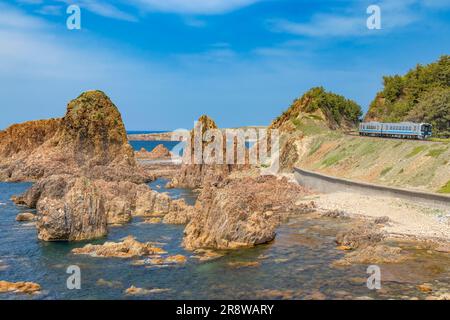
(297, 265)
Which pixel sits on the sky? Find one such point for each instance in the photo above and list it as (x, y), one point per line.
(166, 62)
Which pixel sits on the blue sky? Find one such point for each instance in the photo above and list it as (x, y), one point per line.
(166, 62)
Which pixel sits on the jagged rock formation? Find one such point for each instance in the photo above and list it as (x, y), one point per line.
(89, 141)
(318, 109)
(79, 208)
(198, 167)
(242, 212)
(159, 152)
(422, 95)
(86, 171)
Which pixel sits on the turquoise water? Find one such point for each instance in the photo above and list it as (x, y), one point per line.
(297, 263)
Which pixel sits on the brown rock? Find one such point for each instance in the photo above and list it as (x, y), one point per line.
(239, 212)
(153, 221)
(177, 259)
(87, 173)
(133, 291)
(79, 215)
(19, 287)
(90, 141)
(426, 288)
(128, 248)
(377, 254)
(25, 217)
(362, 235)
(159, 152)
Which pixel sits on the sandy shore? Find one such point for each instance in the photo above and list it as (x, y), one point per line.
(407, 219)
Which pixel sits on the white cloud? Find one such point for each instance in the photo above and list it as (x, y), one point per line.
(352, 20)
(50, 10)
(13, 18)
(103, 9)
(203, 7)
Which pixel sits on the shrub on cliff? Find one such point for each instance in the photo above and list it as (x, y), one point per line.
(421, 95)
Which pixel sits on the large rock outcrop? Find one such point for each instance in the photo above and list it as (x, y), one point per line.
(242, 212)
(197, 171)
(90, 141)
(78, 208)
(84, 170)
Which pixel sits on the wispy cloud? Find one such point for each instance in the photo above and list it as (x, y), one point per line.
(51, 10)
(103, 8)
(351, 21)
(202, 7)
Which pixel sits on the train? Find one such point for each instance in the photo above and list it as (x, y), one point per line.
(402, 130)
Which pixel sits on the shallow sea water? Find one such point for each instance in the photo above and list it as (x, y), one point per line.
(295, 266)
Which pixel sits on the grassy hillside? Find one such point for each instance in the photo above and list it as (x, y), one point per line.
(401, 163)
(324, 109)
(422, 95)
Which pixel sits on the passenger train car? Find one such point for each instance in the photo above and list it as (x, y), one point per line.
(404, 130)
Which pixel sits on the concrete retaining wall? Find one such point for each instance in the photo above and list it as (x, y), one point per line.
(328, 184)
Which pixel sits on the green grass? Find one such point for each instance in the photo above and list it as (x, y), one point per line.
(368, 148)
(331, 160)
(445, 140)
(315, 147)
(416, 151)
(446, 188)
(436, 152)
(385, 171)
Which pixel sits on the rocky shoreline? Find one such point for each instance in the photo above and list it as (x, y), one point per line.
(87, 179)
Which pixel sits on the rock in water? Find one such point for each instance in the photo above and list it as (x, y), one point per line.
(79, 215)
(19, 287)
(25, 217)
(198, 168)
(241, 212)
(85, 172)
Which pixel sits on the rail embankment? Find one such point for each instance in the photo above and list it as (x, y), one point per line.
(327, 184)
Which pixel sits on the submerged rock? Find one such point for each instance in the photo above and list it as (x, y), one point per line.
(19, 287)
(242, 264)
(376, 254)
(134, 291)
(362, 235)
